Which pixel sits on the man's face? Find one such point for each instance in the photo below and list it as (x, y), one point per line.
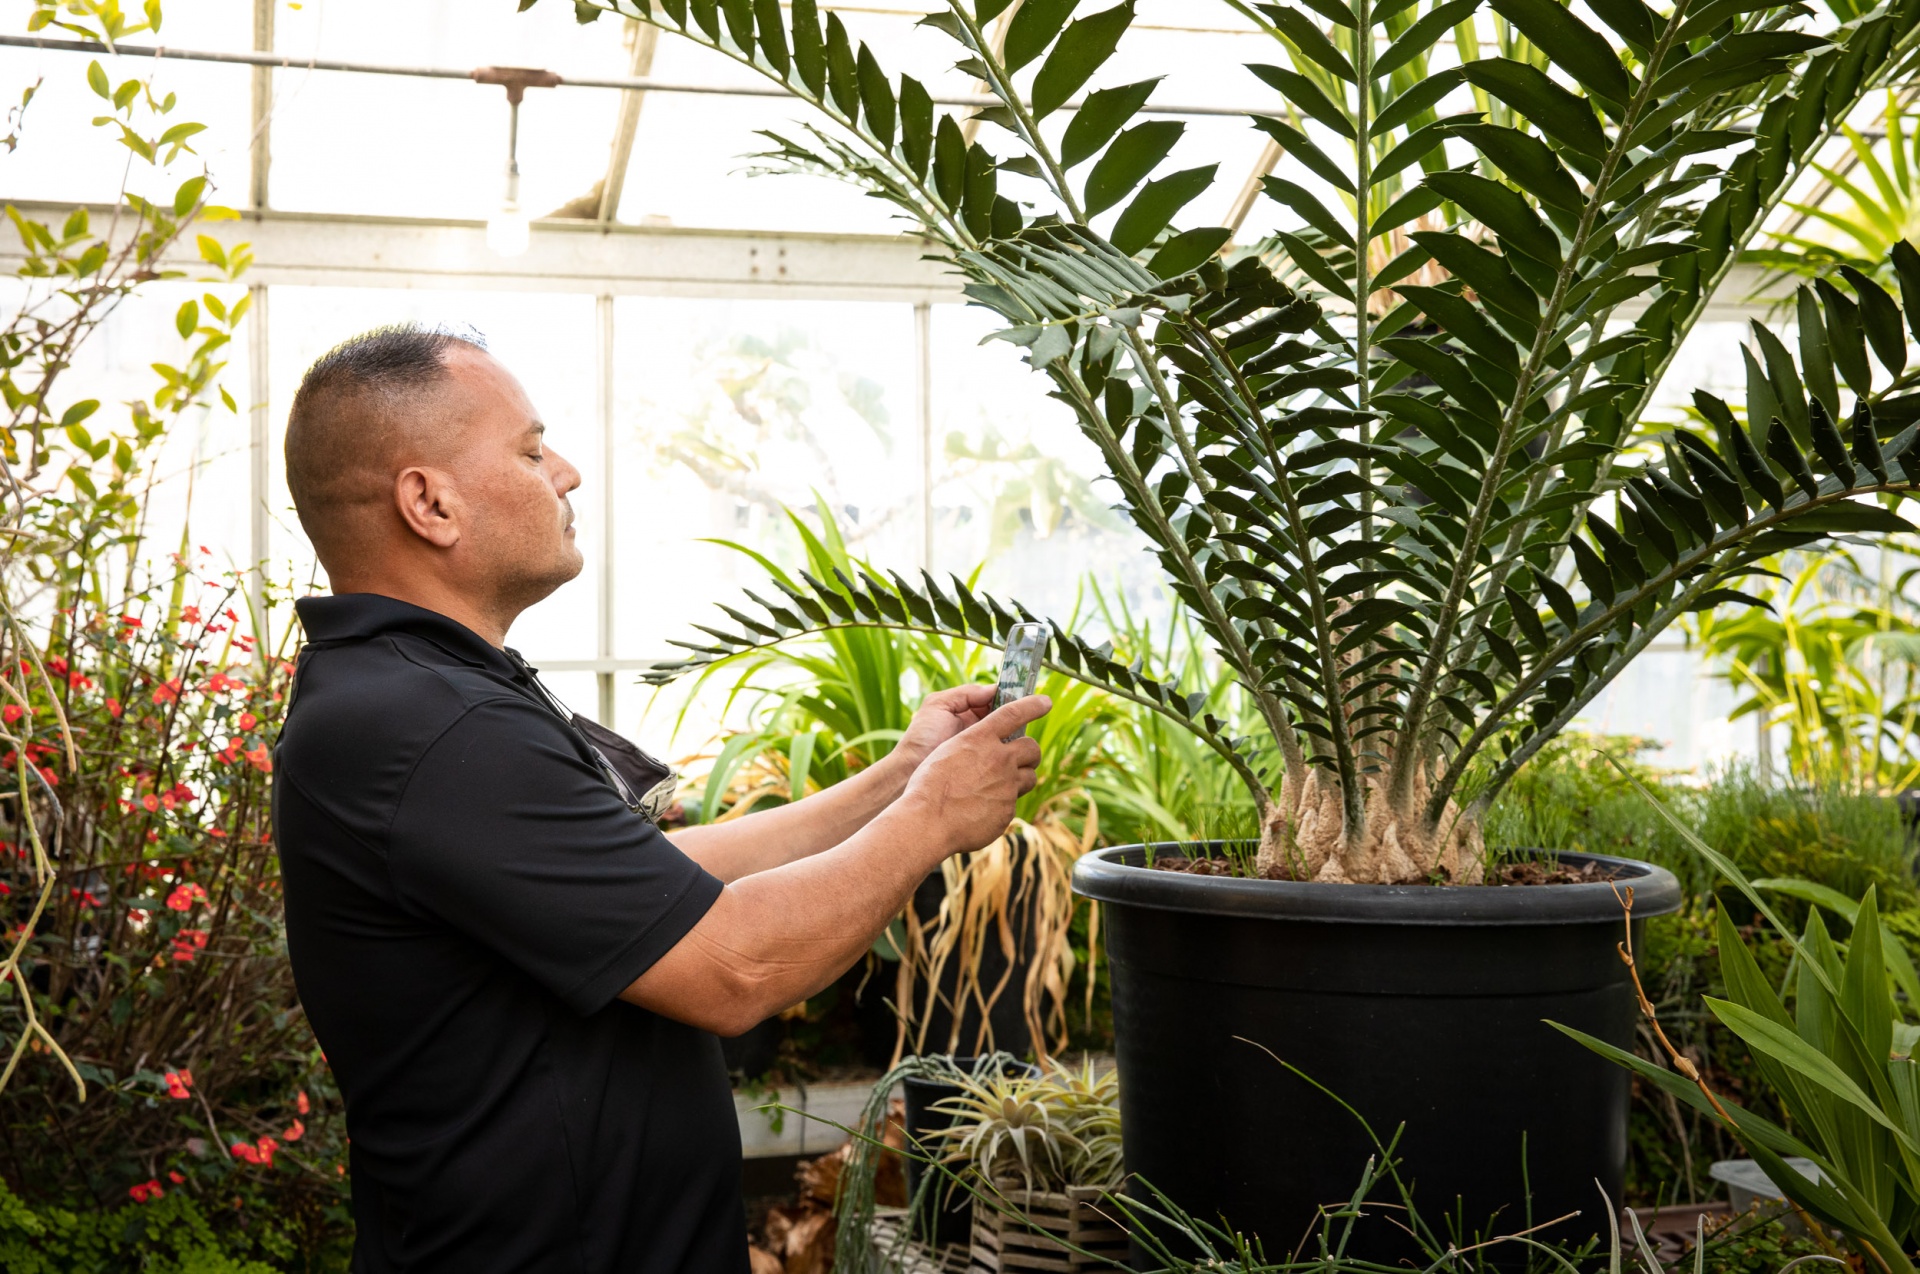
(517, 535)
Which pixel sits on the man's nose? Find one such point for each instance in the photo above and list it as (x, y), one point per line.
(566, 478)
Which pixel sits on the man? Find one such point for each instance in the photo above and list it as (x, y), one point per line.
(517, 979)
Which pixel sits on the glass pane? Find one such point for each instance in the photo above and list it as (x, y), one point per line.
(727, 413)
(1015, 483)
(547, 341)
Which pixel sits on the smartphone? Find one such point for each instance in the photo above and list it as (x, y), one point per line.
(1020, 665)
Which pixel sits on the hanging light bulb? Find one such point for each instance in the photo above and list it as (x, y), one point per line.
(508, 230)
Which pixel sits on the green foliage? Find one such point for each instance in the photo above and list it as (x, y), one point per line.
(1836, 1053)
(1833, 660)
(169, 1234)
(1574, 798)
(1384, 460)
(1883, 207)
(153, 1045)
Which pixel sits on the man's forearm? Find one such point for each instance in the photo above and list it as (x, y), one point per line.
(757, 842)
(780, 935)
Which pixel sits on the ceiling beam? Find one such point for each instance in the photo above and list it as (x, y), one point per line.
(330, 250)
(641, 39)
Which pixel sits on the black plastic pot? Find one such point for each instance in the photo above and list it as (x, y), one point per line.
(946, 1213)
(1424, 1005)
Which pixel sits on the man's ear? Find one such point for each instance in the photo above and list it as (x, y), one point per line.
(429, 505)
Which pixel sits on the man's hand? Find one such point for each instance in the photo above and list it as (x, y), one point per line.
(968, 785)
(940, 717)
(774, 937)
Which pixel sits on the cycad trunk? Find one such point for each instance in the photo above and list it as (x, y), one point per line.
(1303, 837)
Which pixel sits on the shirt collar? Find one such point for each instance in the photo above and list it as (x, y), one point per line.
(361, 616)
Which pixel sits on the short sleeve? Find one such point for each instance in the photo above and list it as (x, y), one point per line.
(509, 835)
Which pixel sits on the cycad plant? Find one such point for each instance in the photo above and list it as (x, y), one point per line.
(1397, 497)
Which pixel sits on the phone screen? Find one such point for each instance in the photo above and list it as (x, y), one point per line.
(1020, 662)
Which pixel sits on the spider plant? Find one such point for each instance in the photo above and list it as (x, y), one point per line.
(1394, 497)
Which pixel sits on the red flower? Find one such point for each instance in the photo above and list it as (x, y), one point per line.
(146, 1191)
(12, 713)
(184, 896)
(266, 1146)
(80, 681)
(186, 943)
(174, 1176)
(167, 691)
(149, 802)
(230, 753)
(178, 1084)
(113, 708)
(261, 759)
(231, 617)
(244, 1152)
(216, 833)
(300, 1102)
(189, 614)
(129, 621)
(248, 721)
(296, 1132)
(5, 889)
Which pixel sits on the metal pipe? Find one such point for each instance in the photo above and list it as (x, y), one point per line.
(633, 83)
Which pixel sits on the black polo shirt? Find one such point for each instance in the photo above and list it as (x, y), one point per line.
(466, 895)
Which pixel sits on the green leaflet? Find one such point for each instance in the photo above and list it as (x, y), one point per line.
(1099, 118)
(1033, 29)
(1127, 162)
(1083, 49)
(1156, 205)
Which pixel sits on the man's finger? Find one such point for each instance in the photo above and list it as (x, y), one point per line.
(958, 699)
(1027, 757)
(1015, 716)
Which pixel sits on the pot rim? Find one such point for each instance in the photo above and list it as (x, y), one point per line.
(1115, 875)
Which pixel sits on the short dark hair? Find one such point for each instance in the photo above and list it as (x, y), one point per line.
(342, 402)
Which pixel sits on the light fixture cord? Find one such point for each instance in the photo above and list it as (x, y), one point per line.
(513, 145)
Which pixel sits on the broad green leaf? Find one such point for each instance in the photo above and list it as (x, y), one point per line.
(809, 49)
(1127, 162)
(1033, 29)
(1099, 118)
(1306, 96)
(876, 97)
(843, 80)
(1575, 47)
(773, 36)
(739, 15)
(1185, 251)
(1309, 39)
(1309, 209)
(1789, 1050)
(1420, 97)
(1565, 118)
(916, 124)
(1420, 37)
(1527, 163)
(1156, 205)
(1081, 50)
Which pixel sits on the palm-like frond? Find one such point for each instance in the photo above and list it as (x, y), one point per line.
(1395, 493)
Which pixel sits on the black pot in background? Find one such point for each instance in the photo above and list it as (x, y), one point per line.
(1418, 1004)
(947, 1211)
(1007, 1018)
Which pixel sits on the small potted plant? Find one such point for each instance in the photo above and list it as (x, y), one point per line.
(1042, 1149)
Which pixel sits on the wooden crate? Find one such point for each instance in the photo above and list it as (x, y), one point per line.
(1005, 1244)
